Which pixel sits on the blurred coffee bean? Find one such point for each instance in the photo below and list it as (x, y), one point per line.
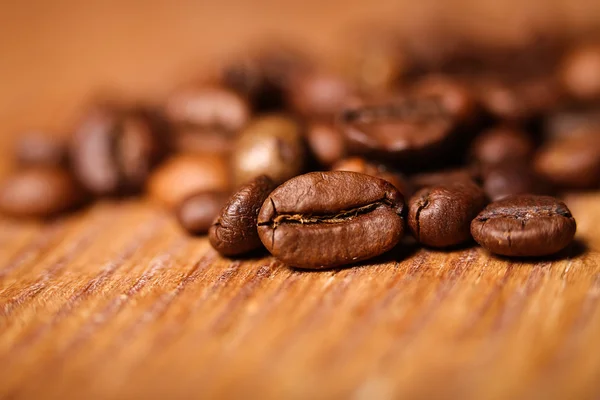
(580, 72)
(234, 231)
(517, 100)
(325, 142)
(195, 140)
(362, 166)
(186, 174)
(209, 107)
(511, 178)
(376, 61)
(319, 94)
(271, 145)
(37, 148)
(571, 163)
(502, 144)
(113, 151)
(568, 123)
(197, 212)
(264, 75)
(443, 177)
(412, 130)
(39, 192)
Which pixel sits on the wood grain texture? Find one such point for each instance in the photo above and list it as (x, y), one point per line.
(116, 302)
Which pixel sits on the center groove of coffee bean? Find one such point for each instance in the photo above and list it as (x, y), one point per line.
(342, 216)
(411, 110)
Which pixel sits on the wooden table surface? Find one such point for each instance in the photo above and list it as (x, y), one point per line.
(116, 302)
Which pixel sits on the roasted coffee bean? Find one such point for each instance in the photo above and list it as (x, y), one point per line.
(580, 72)
(234, 231)
(362, 166)
(410, 130)
(319, 94)
(264, 75)
(325, 142)
(572, 163)
(443, 177)
(440, 216)
(525, 226)
(500, 145)
(114, 151)
(36, 148)
(39, 192)
(511, 178)
(185, 174)
(329, 219)
(569, 123)
(271, 145)
(212, 108)
(197, 212)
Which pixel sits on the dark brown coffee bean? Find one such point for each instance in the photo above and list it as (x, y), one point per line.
(234, 231)
(211, 108)
(319, 95)
(524, 226)
(511, 178)
(580, 72)
(197, 212)
(443, 177)
(326, 142)
(500, 145)
(569, 123)
(572, 163)
(440, 216)
(264, 75)
(186, 174)
(39, 192)
(271, 145)
(329, 219)
(113, 151)
(412, 129)
(36, 148)
(362, 166)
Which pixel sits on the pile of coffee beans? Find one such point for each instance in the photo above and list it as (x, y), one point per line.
(448, 140)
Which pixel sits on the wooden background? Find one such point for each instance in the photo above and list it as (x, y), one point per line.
(115, 302)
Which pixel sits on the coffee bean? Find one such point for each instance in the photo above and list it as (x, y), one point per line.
(568, 123)
(113, 151)
(525, 226)
(197, 212)
(264, 75)
(435, 178)
(212, 108)
(362, 166)
(39, 192)
(329, 219)
(325, 142)
(410, 130)
(511, 178)
(319, 94)
(572, 163)
(500, 145)
(271, 145)
(580, 72)
(37, 148)
(234, 231)
(440, 216)
(186, 174)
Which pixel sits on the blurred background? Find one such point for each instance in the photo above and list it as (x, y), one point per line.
(55, 54)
